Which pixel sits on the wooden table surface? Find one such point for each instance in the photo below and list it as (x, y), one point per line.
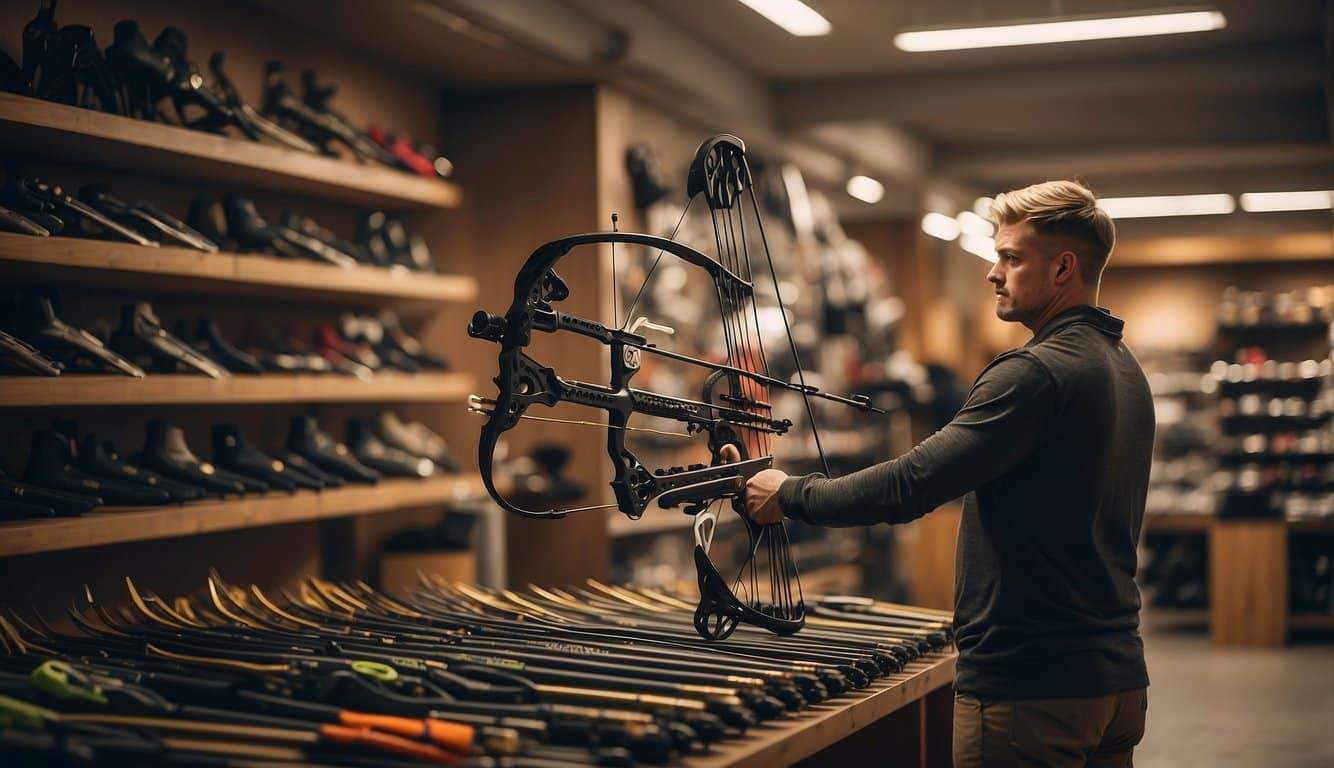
(784, 742)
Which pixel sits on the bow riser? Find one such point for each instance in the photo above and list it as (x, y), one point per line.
(523, 382)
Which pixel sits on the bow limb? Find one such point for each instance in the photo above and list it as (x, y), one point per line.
(536, 270)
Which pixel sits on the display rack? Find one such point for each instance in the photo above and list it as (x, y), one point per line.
(124, 265)
(71, 134)
(899, 700)
(119, 525)
(41, 130)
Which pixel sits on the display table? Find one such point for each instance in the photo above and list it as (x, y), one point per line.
(901, 720)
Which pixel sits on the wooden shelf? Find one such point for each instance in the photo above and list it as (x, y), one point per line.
(839, 579)
(179, 389)
(656, 520)
(1176, 522)
(1318, 621)
(1314, 329)
(68, 259)
(789, 741)
(1312, 525)
(70, 134)
(143, 524)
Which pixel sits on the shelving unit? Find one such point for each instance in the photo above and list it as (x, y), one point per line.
(121, 525)
(70, 134)
(1248, 575)
(181, 389)
(74, 260)
(44, 131)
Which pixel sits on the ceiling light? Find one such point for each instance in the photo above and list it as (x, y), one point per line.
(972, 224)
(792, 15)
(982, 206)
(1167, 205)
(985, 247)
(1037, 33)
(940, 226)
(1313, 200)
(866, 189)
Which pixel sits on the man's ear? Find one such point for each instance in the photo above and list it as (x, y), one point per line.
(1067, 264)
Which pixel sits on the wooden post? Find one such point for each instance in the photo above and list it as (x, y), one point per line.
(1248, 582)
(926, 548)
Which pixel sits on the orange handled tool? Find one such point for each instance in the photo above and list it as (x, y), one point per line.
(451, 736)
(389, 743)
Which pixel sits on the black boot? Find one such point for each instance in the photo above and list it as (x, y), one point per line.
(51, 465)
(307, 440)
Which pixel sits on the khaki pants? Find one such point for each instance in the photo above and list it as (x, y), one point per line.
(1052, 733)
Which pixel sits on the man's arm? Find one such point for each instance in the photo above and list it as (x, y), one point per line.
(998, 426)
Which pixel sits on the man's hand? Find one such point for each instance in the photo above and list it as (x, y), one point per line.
(761, 490)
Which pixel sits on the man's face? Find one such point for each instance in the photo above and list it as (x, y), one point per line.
(1024, 273)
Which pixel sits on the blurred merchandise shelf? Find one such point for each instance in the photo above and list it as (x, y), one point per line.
(179, 389)
(115, 526)
(125, 265)
(71, 134)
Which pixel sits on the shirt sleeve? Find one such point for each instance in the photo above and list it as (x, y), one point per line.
(999, 425)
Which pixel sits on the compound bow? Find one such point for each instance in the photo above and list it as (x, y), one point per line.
(732, 410)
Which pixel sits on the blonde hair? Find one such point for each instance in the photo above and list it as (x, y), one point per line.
(1065, 208)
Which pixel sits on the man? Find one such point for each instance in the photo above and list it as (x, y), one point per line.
(1052, 449)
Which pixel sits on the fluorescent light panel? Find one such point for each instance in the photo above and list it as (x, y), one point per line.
(972, 224)
(866, 189)
(1265, 202)
(983, 247)
(792, 15)
(1041, 33)
(940, 226)
(1167, 205)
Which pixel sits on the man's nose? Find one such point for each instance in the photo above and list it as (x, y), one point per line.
(994, 275)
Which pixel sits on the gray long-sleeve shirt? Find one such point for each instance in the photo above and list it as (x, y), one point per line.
(1052, 449)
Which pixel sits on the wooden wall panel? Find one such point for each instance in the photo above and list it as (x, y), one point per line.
(528, 161)
(1175, 307)
(895, 244)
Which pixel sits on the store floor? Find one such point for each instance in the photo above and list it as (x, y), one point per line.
(1235, 708)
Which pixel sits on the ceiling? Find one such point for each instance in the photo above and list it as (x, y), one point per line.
(1152, 115)
(861, 41)
(1245, 108)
